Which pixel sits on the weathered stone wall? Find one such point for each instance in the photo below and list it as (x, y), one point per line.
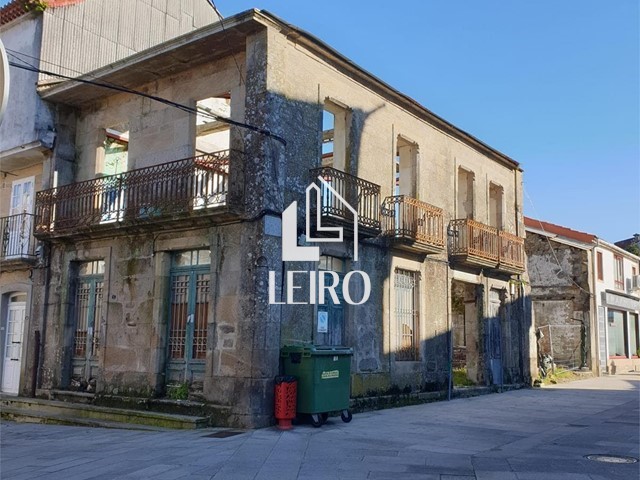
(284, 92)
(560, 296)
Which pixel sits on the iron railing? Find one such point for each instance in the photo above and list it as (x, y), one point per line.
(16, 236)
(486, 244)
(168, 190)
(511, 251)
(407, 218)
(470, 238)
(361, 195)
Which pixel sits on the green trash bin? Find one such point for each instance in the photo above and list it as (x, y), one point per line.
(324, 379)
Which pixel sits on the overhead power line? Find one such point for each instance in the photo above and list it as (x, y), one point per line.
(224, 31)
(119, 88)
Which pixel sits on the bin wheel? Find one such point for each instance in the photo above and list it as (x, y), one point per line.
(316, 420)
(346, 416)
(324, 416)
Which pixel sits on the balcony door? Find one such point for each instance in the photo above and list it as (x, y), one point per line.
(188, 316)
(20, 222)
(112, 199)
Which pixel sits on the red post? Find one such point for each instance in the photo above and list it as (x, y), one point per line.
(286, 391)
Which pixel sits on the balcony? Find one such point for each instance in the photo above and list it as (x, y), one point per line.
(475, 244)
(18, 243)
(412, 225)
(361, 195)
(194, 188)
(511, 257)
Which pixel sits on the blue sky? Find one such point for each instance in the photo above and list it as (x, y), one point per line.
(553, 84)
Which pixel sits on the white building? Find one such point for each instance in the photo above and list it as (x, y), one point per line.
(616, 283)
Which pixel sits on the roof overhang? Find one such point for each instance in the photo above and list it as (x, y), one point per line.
(207, 44)
(559, 239)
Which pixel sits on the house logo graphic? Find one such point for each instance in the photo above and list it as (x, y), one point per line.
(320, 282)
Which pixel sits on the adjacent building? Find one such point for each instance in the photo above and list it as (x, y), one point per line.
(585, 295)
(162, 232)
(69, 37)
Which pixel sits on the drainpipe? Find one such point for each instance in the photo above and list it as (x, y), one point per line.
(46, 255)
(593, 316)
(449, 336)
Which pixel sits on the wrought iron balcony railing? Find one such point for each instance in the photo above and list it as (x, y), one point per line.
(473, 241)
(361, 195)
(511, 252)
(479, 244)
(413, 224)
(17, 238)
(167, 191)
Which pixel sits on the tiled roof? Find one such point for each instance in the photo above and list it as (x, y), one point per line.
(18, 8)
(559, 230)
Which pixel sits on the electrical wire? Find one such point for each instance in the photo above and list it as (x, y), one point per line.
(15, 54)
(224, 31)
(546, 235)
(119, 88)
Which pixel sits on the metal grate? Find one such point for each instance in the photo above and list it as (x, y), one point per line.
(88, 311)
(179, 314)
(363, 196)
(16, 238)
(408, 218)
(223, 434)
(136, 196)
(406, 289)
(201, 316)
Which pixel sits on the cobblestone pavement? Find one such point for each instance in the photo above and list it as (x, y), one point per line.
(519, 435)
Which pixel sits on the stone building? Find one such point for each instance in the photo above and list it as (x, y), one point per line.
(164, 231)
(70, 37)
(585, 296)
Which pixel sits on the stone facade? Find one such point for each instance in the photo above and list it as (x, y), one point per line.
(585, 299)
(400, 336)
(37, 138)
(561, 299)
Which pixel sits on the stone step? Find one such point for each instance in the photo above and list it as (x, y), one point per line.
(39, 409)
(32, 416)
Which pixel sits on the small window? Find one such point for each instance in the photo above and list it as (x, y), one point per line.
(600, 269)
(192, 258)
(619, 272)
(331, 263)
(407, 314)
(95, 267)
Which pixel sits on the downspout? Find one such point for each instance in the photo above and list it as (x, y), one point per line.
(449, 336)
(593, 316)
(45, 308)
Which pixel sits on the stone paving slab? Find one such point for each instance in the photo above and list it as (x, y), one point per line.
(518, 435)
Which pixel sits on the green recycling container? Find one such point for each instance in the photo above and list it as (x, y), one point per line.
(324, 377)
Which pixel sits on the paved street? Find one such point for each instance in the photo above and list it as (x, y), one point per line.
(523, 435)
